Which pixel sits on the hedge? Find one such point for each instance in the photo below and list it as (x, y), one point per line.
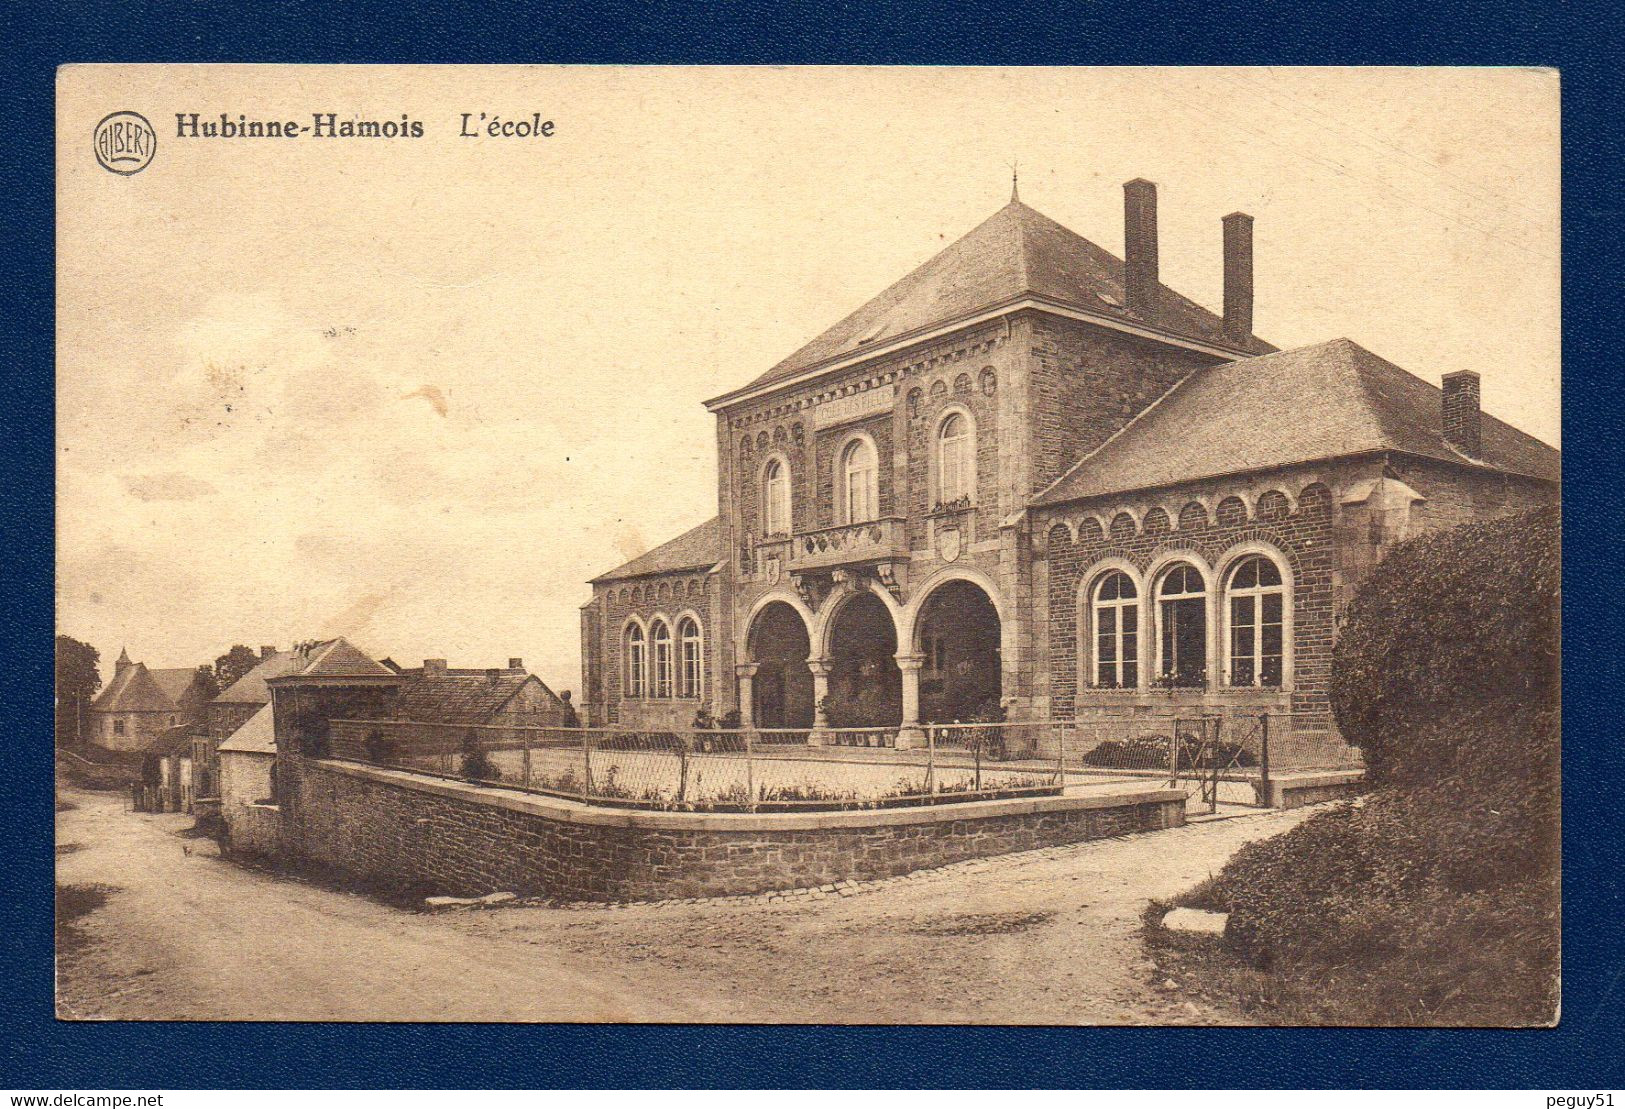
(1447, 623)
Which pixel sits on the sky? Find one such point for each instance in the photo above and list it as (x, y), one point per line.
(417, 392)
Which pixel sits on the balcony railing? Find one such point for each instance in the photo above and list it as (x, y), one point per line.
(883, 540)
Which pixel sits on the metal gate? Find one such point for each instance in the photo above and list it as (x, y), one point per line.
(1207, 751)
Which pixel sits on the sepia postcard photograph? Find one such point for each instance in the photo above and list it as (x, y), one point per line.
(808, 545)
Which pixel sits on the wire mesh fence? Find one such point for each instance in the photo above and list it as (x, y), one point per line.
(1216, 758)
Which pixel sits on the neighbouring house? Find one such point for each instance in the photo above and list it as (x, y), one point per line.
(166, 772)
(433, 705)
(248, 806)
(437, 694)
(1031, 479)
(231, 709)
(140, 704)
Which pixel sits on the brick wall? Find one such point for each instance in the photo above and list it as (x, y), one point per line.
(401, 831)
(1086, 383)
(1303, 536)
(668, 597)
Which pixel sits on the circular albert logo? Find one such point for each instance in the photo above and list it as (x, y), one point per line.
(125, 143)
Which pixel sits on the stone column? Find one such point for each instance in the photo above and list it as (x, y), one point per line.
(746, 672)
(910, 734)
(820, 668)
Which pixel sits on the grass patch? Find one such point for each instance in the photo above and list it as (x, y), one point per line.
(73, 904)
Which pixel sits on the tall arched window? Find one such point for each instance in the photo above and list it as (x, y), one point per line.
(691, 665)
(632, 659)
(660, 635)
(1117, 632)
(860, 474)
(1256, 602)
(956, 460)
(776, 498)
(1182, 627)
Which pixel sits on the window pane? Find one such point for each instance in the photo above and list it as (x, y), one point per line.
(1241, 672)
(1241, 612)
(1246, 576)
(1107, 617)
(1272, 670)
(1268, 572)
(1272, 639)
(1272, 608)
(1131, 674)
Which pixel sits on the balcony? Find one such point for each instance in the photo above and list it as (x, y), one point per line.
(869, 543)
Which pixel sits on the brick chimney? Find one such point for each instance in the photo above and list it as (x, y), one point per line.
(516, 664)
(1460, 412)
(1140, 246)
(434, 667)
(1238, 278)
(266, 652)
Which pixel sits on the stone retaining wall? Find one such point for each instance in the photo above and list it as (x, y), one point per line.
(407, 831)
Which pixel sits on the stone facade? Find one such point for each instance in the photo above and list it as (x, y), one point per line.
(1363, 456)
(247, 804)
(399, 831)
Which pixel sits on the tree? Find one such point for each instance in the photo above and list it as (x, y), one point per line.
(234, 664)
(211, 683)
(77, 682)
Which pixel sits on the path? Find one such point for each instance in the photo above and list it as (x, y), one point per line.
(1042, 938)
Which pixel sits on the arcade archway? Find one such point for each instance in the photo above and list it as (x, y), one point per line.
(865, 686)
(782, 687)
(958, 635)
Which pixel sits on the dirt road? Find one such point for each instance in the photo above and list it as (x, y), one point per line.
(1043, 938)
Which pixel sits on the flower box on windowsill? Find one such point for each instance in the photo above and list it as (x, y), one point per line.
(957, 506)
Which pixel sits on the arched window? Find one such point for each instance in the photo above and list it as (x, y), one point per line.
(776, 498)
(859, 476)
(1182, 627)
(660, 635)
(632, 659)
(1117, 632)
(691, 665)
(956, 460)
(1256, 602)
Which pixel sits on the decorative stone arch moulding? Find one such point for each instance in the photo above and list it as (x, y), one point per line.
(837, 599)
(1099, 569)
(908, 626)
(777, 595)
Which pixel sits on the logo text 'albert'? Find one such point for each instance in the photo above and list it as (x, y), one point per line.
(125, 143)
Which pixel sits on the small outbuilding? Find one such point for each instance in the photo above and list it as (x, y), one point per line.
(248, 796)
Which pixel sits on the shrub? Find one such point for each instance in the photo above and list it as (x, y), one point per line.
(1447, 623)
(476, 763)
(379, 748)
(1435, 899)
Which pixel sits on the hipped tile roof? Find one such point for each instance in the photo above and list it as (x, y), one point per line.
(1325, 401)
(257, 735)
(134, 689)
(1014, 253)
(696, 549)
